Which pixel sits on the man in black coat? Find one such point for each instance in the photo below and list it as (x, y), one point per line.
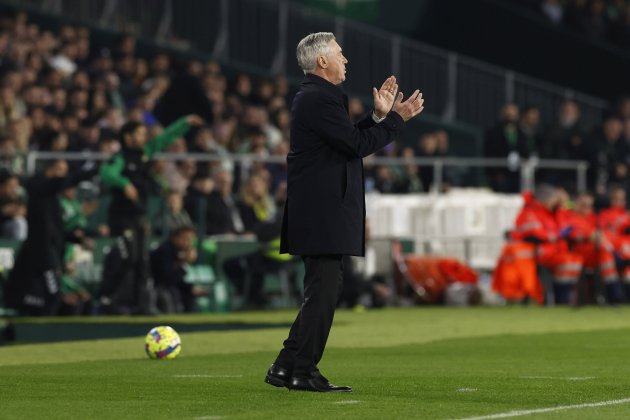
(33, 287)
(324, 216)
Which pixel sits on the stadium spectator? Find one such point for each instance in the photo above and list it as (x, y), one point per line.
(529, 131)
(75, 299)
(356, 109)
(223, 216)
(175, 216)
(125, 288)
(565, 140)
(12, 208)
(184, 96)
(168, 266)
(180, 174)
(260, 215)
(278, 171)
(610, 151)
(505, 141)
(196, 199)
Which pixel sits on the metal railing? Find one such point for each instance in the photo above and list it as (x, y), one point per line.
(262, 34)
(526, 168)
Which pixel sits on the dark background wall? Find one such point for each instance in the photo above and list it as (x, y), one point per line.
(509, 35)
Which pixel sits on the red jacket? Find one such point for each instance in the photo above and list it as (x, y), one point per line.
(614, 220)
(536, 221)
(582, 226)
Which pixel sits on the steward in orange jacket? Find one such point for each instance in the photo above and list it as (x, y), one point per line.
(537, 224)
(615, 223)
(515, 277)
(587, 240)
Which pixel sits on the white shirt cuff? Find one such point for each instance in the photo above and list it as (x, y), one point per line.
(377, 119)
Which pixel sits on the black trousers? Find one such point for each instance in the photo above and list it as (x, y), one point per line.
(126, 270)
(304, 347)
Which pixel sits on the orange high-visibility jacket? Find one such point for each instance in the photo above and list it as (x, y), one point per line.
(614, 221)
(537, 221)
(583, 228)
(515, 276)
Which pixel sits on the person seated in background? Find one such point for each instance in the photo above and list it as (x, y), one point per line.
(537, 225)
(223, 215)
(614, 221)
(196, 198)
(75, 299)
(168, 265)
(12, 208)
(174, 215)
(260, 217)
(586, 239)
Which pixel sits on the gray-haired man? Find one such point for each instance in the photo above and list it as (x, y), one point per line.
(324, 216)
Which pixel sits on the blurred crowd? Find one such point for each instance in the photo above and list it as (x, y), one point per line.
(60, 91)
(63, 91)
(603, 20)
(519, 135)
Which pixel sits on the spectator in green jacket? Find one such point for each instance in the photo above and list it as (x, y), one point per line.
(125, 277)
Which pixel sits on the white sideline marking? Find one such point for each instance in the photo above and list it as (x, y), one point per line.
(517, 413)
(347, 402)
(209, 418)
(568, 378)
(207, 376)
(467, 390)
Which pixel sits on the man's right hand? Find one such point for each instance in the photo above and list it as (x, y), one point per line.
(131, 192)
(411, 107)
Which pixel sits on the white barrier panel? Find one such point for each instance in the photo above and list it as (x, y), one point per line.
(468, 224)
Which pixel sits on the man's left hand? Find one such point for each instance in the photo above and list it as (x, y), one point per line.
(384, 97)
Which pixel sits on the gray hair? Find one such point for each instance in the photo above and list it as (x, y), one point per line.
(311, 47)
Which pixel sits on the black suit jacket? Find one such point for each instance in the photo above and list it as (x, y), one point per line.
(325, 208)
(219, 217)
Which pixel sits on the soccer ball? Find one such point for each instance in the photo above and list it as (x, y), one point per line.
(162, 342)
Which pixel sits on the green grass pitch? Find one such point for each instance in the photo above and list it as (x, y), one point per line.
(430, 363)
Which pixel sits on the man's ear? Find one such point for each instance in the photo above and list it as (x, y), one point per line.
(323, 63)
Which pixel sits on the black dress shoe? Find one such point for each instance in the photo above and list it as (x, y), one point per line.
(278, 376)
(331, 387)
(315, 382)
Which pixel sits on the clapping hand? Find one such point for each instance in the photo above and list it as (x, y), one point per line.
(384, 97)
(411, 107)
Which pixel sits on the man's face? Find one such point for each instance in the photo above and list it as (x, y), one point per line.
(138, 138)
(224, 182)
(335, 63)
(618, 198)
(184, 240)
(11, 188)
(59, 169)
(584, 204)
